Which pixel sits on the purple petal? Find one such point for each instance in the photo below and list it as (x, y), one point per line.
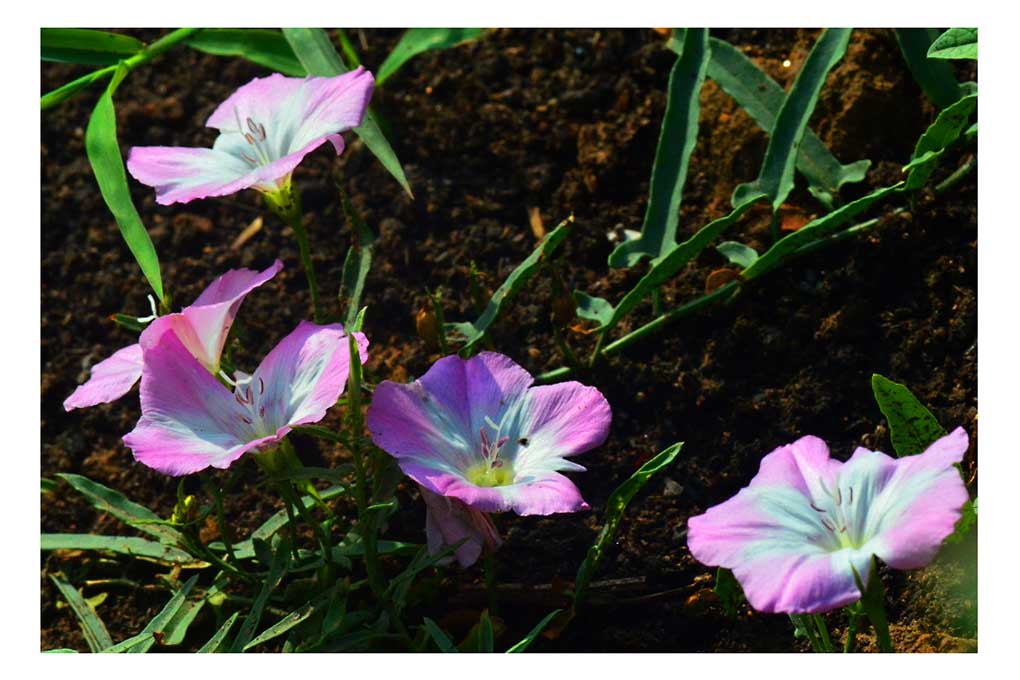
(304, 375)
(110, 379)
(804, 465)
(189, 420)
(448, 521)
(556, 421)
(913, 502)
(182, 174)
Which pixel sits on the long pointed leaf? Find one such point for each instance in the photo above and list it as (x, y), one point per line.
(277, 570)
(418, 40)
(946, 129)
(216, 641)
(96, 635)
(535, 632)
(935, 77)
(357, 263)
(261, 46)
(115, 503)
(87, 46)
(132, 546)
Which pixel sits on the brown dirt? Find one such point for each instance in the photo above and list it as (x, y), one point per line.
(565, 121)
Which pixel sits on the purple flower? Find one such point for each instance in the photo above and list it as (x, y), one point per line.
(266, 128)
(795, 535)
(190, 421)
(475, 431)
(202, 327)
(447, 521)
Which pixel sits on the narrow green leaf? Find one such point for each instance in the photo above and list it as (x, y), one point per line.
(48, 485)
(956, 43)
(813, 231)
(277, 570)
(472, 332)
(300, 614)
(728, 590)
(178, 626)
(245, 550)
(317, 54)
(132, 546)
(673, 261)
(418, 40)
(762, 98)
(738, 253)
(104, 154)
(593, 308)
(946, 129)
(486, 636)
(216, 641)
(533, 635)
(265, 47)
(357, 263)
(115, 503)
(68, 90)
(677, 139)
(60, 651)
(444, 643)
(912, 427)
(935, 77)
(776, 175)
(87, 46)
(143, 642)
(615, 507)
(96, 635)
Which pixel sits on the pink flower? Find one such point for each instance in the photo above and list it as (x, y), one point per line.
(202, 327)
(266, 128)
(190, 421)
(476, 432)
(795, 535)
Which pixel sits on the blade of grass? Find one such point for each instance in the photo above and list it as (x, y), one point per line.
(131, 546)
(297, 616)
(143, 642)
(535, 632)
(87, 46)
(677, 139)
(96, 635)
(357, 263)
(245, 550)
(912, 427)
(418, 40)
(935, 77)
(116, 504)
(444, 643)
(317, 54)
(265, 47)
(103, 152)
(216, 641)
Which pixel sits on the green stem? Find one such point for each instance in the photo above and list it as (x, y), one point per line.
(286, 204)
(873, 604)
(823, 632)
(958, 176)
(225, 531)
(554, 375)
(801, 623)
(851, 632)
(598, 349)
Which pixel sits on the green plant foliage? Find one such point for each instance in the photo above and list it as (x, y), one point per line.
(143, 642)
(317, 54)
(261, 46)
(68, 90)
(472, 332)
(418, 40)
(728, 590)
(277, 570)
(946, 129)
(115, 503)
(615, 507)
(813, 231)
(738, 253)
(443, 642)
(956, 43)
(968, 519)
(87, 46)
(245, 550)
(912, 427)
(776, 175)
(762, 98)
(533, 635)
(357, 263)
(296, 617)
(104, 154)
(96, 635)
(131, 546)
(935, 77)
(216, 641)
(677, 139)
(593, 308)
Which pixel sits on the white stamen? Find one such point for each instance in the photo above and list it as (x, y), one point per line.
(152, 306)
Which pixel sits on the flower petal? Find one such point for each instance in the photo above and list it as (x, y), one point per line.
(913, 503)
(448, 521)
(804, 465)
(182, 174)
(304, 375)
(189, 420)
(110, 379)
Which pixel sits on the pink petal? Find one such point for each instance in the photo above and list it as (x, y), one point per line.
(110, 379)
(189, 420)
(556, 421)
(182, 174)
(804, 465)
(448, 521)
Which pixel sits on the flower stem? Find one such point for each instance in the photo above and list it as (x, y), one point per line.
(873, 603)
(286, 204)
(851, 630)
(221, 518)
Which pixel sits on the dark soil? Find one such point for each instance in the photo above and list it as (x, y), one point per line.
(562, 121)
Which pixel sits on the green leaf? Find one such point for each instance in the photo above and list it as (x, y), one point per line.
(473, 332)
(677, 139)
(530, 637)
(357, 263)
(277, 570)
(297, 616)
(418, 40)
(776, 175)
(813, 231)
(935, 77)
(444, 643)
(912, 427)
(946, 129)
(968, 518)
(615, 507)
(593, 308)
(48, 485)
(141, 643)
(728, 590)
(132, 546)
(114, 503)
(216, 641)
(763, 98)
(104, 155)
(738, 253)
(96, 635)
(245, 550)
(68, 90)
(676, 259)
(956, 43)
(264, 47)
(317, 54)
(486, 636)
(87, 46)
(177, 628)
